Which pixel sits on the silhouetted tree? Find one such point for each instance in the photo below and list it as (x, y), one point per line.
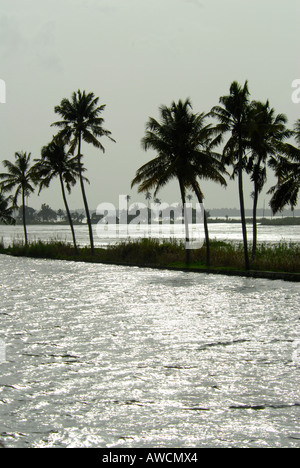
(46, 214)
(6, 210)
(266, 133)
(180, 140)
(287, 171)
(82, 122)
(19, 178)
(55, 162)
(233, 117)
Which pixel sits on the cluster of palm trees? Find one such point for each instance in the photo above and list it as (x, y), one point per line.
(252, 136)
(61, 158)
(186, 150)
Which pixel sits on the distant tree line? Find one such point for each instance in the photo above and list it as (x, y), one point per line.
(236, 137)
(45, 215)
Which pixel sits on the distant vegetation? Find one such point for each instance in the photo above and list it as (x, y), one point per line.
(46, 215)
(281, 222)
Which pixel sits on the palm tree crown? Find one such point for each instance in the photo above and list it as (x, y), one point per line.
(55, 162)
(287, 171)
(181, 140)
(81, 120)
(6, 211)
(18, 177)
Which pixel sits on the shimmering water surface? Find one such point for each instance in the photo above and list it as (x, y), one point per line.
(106, 356)
(219, 231)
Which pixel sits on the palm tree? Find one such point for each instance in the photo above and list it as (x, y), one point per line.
(82, 122)
(287, 171)
(181, 154)
(6, 211)
(55, 162)
(266, 133)
(233, 117)
(19, 177)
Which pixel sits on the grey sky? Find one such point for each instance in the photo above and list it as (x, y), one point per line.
(136, 55)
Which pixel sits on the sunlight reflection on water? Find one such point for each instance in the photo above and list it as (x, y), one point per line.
(219, 231)
(106, 356)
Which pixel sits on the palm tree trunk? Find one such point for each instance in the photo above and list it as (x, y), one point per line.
(24, 217)
(187, 237)
(242, 207)
(255, 200)
(87, 212)
(207, 241)
(149, 213)
(68, 212)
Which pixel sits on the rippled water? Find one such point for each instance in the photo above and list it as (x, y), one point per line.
(219, 231)
(106, 356)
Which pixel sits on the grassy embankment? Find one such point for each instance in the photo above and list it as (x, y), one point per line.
(225, 257)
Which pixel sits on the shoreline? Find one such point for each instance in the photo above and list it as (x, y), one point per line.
(65, 252)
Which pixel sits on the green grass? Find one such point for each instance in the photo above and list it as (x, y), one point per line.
(282, 257)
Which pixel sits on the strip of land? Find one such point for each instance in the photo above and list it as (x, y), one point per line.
(279, 261)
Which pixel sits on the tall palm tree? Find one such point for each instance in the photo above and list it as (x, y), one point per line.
(19, 177)
(55, 162)
(287, 171)
(82, 122)
(6, 211)
(266, 133)
(181, 154)
(233, 117)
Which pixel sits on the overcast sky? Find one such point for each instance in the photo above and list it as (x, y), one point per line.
(137, 55)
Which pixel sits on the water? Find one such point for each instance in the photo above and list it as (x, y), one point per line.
(219, 231)
(106, 356)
